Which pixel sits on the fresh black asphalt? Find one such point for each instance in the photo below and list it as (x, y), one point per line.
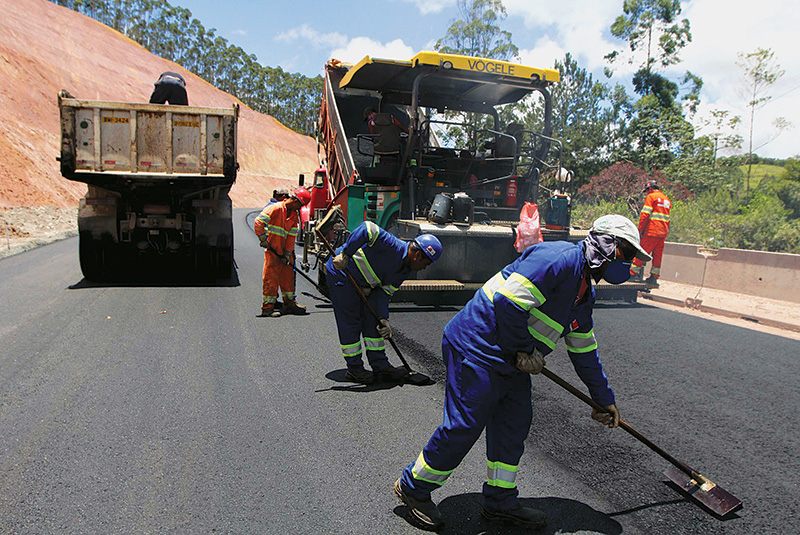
(170, 407)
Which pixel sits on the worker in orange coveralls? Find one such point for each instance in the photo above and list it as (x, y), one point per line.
(653, 229)
(276, 228)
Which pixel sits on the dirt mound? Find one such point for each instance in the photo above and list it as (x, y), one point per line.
(45, 47)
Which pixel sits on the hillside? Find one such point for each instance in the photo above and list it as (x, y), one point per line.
(45, 47)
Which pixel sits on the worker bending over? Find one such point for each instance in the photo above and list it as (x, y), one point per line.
(379, 263)
(170, 87)
(653, 229)
(492, 345)
(276, 228)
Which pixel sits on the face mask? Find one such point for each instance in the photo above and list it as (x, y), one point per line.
(617, 272)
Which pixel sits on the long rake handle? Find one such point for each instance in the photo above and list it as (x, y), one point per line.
(636, 434)
(364, 299)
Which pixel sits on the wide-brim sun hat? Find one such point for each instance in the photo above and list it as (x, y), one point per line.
(621, 227)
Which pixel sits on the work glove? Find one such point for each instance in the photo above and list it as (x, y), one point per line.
(366, 290)
(384, 330)
(264, 240)
(530, 362)
(340, 261)
(611, 418)
(286, 257)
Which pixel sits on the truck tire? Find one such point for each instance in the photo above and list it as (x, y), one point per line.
(224, 262)
(203, 262)
(91, 254)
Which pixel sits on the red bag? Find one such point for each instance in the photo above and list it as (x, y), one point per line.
(529, 231)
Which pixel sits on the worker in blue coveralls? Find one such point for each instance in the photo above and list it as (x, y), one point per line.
(492, 345)
(379, 262)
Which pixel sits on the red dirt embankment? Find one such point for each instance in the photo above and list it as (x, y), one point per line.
(45, 48)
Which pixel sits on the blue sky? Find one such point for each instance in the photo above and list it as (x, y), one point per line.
(301, 35)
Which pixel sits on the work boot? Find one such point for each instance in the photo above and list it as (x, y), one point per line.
(423, 511)
(637, 277)
(293, 309)
(392, 373)
(270, 312)
(519, 515)
(652, 280)
(360, 376)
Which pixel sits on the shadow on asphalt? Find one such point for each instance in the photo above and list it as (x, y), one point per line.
(339, 377)
(159, 280)
(462, 516)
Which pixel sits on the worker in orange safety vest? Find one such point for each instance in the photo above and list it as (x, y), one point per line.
(653, 229)
(276, 228)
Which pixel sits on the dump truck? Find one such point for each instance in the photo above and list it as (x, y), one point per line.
(432, 145)
(158, 180)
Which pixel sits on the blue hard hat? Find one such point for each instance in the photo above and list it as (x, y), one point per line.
(430, 245)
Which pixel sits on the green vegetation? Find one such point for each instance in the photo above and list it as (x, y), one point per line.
(762, 170)
(171, 32)
(613, 141)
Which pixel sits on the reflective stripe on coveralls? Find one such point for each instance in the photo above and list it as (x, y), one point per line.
(373, 231)
(655, 216)
(278, 231)
(362, 263)
(350, 350)
(424, 472)
(366, 270)
(581, 342)
(501, 475)
(389, 289)
(527, 296)
(374, 344)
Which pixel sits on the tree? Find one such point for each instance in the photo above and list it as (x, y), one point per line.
(642, 23)
(624, 180)
(477, 32)
(656, 128)
(580, 120)
(761, 72)
(792, 169)
(722, 126)
(172, 33)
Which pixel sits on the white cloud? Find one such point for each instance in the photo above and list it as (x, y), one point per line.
(239, 32)
(577, 26)
(720, 30)
(306, 34)
(427, 7)
(355, 50)
(543, 55)
(718, 36)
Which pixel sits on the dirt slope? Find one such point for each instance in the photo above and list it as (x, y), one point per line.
(45, 47)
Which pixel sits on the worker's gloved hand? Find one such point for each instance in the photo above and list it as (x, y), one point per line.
(384, 330)
(286, 257)
(264, 240)
(530, 362)
(611, 418)
(340, 261)
(366, 290)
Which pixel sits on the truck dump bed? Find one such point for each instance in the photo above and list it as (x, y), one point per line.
(147, 142)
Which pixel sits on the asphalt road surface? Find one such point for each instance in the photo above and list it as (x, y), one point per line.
(164, 407)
